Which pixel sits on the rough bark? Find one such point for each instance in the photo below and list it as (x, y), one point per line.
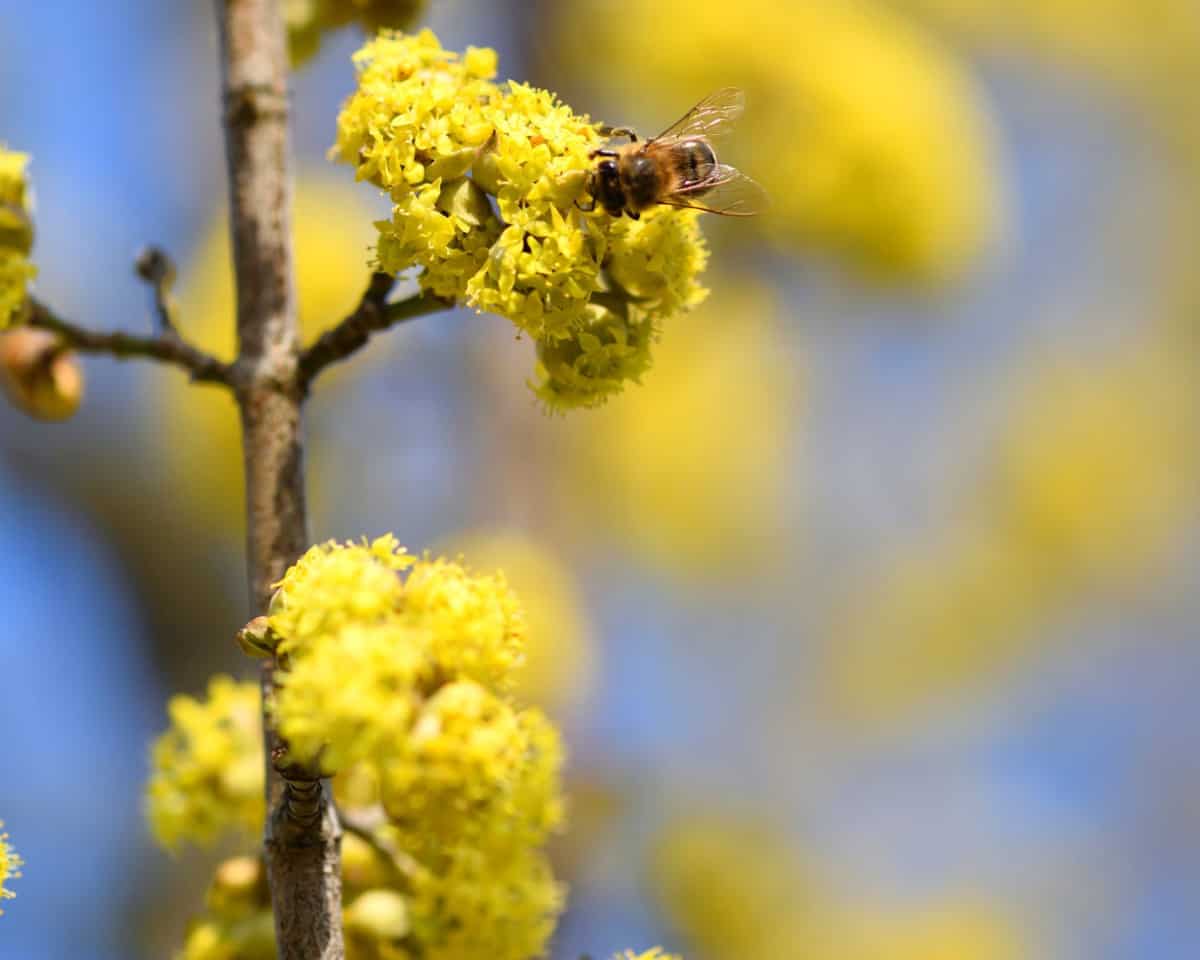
(302, 842)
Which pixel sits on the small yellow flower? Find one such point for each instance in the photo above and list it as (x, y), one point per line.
(10, 865)
(475, 622)
(16, 234)
(207, 768)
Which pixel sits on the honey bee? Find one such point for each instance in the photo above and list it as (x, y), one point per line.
(678, 168)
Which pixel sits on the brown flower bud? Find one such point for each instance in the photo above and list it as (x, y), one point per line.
(256, 638)
(40, 376)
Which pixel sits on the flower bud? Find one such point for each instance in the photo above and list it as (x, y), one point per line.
(257, 639)
(361, 865)
(238, 889)
(39, 375)
(378, 914)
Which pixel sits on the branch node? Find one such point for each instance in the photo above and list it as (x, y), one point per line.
(154, 266)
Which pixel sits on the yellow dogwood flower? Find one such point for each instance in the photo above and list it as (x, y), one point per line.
(16, 234)
(10, 865)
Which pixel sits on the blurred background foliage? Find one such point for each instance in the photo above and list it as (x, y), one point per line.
(869, 617)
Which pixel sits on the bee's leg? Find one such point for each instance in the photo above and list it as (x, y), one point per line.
(590, 189)
(607, 131)
(634, 214)
(602, 153)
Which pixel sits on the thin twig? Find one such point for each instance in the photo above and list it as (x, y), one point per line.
(167, 347)
(372, 315)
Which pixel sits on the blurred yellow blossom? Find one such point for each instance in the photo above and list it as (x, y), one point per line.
(461, 752)
(870, 136)
(308, 20)
(1093, 473)
(732, 887)
(16, 234)
(735, 889)
(691, 468)
(244, 938)
(475, 621)
(1099, 462)
(334, 585)
(207, 768)
(1114, 37)
(511, 239)
(358, 716)
(481, 907)
(10, 865)
(559, 646)
(376, 915)
(957, 930)
(332, 231)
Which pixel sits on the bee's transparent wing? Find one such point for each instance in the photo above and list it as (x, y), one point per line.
(728, 192)
(711, 118)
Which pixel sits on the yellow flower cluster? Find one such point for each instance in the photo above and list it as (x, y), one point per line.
(207, 768)
(308, 20)
(869, 135)
(10, 865)
(484, 180)
(16, 234)
(735, 890)
(397, 674)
